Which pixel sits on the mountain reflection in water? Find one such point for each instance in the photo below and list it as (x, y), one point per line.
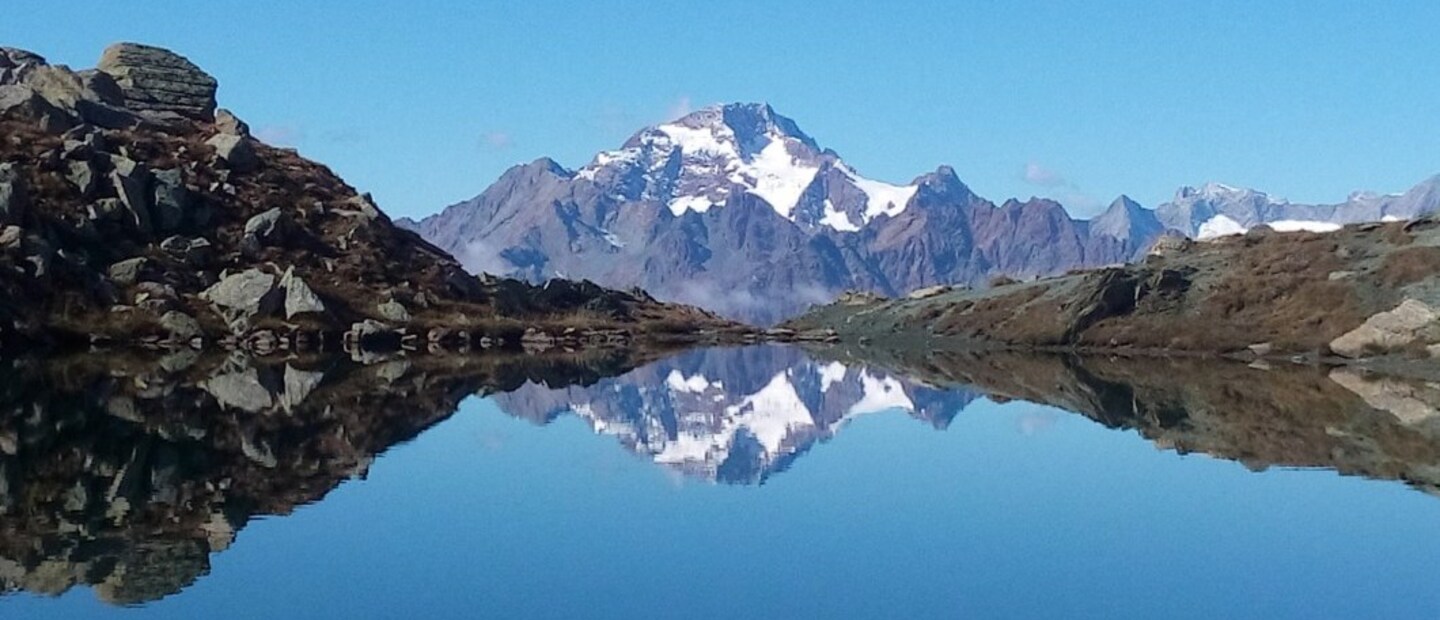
(127, 474)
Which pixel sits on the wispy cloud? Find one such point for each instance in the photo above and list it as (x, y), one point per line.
(496, 141)
(280, 135)
(680, 108)
(1058, 187)
(1037, 174)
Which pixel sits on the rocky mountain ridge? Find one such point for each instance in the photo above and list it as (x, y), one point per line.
(133, 210)
(735, 209)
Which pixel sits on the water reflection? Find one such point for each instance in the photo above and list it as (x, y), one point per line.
(734, 415)
(127, 474)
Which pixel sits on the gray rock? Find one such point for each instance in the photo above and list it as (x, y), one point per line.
(21, 102)
(132, 183)
(1387, 331)
(299, 298)
(159, 83)
(196, 252)
(10, 237)
(228, 123)
(240, 390)
(298, 385)
(14, 195)
(394, 311)
(171, 199)
(235, 151)
(268, 228)
(240, 298)
(128, 271)
(81, 175)
(181, 327)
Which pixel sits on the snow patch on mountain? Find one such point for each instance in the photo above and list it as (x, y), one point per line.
(745, 145)
(1223, 225)
(880, 394)
(1219, 226)
(882, 198)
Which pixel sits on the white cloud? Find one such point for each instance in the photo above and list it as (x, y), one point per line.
(496, 141)
(280, 135)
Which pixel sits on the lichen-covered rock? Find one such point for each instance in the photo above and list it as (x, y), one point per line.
(1387, 331)
(299, 298)
(159, 83)
(236, 151)
(128, 271)
(392, 310)
(239, 298)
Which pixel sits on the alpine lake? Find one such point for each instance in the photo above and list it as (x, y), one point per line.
(767, 481)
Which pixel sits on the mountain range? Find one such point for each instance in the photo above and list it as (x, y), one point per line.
(735, 209)
(733, 415)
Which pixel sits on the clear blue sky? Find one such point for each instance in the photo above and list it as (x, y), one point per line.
(426, 103)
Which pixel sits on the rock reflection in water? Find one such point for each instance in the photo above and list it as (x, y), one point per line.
(126, 474)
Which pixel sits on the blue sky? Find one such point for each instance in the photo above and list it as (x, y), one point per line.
(426, 103)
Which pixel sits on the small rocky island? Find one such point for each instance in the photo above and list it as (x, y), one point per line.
(133, 211)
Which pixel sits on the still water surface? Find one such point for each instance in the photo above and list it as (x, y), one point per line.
(764, 483)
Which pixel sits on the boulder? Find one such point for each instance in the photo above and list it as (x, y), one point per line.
(14, 195)
(1387, 331)
(298, 385)
(22, 103)
(394, 311)
(159, 83)
(10, 237)
(128, 271)
(299, 298)
(195, 252)
(266, 229)
(240, 298)
(236, 151)
(240, 390)
(132, 185)
(227, 123)
(181, 327)
(81, 175)
(170, 199)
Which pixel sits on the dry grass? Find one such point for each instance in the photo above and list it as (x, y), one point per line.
(1409, 265)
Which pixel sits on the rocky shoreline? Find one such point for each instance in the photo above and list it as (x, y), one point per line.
(135, 213)
(1367, 294)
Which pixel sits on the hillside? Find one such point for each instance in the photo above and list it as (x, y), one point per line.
(1362, 291)
(133, 210)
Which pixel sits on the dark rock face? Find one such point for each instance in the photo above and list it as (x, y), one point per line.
(158, 82)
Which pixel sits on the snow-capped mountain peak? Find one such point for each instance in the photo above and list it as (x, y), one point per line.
(694, 162)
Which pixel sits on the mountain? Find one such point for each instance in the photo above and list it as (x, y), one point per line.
(736, 209)
(1216, 209)
(733, 415)
(134, 210)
